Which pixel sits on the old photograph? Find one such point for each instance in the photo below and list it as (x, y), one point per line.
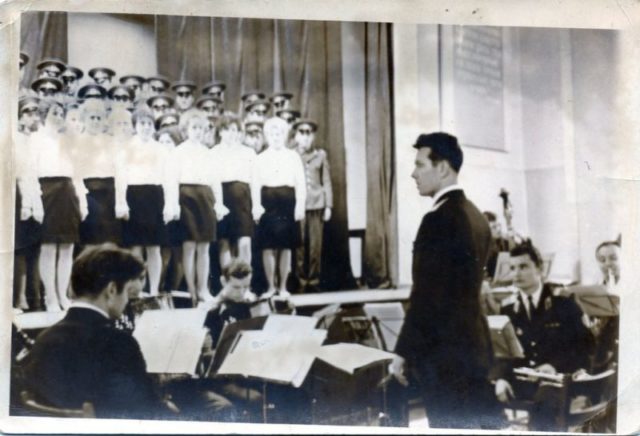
(322, 223)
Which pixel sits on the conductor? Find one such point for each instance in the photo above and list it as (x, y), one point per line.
(444, 343)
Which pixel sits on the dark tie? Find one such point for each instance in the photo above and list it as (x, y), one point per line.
(532, 308)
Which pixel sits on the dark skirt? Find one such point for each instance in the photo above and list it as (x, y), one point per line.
(277, 227)
(101, 224)
(145, 225)
(197, 217)
(61, 223)
(239, 221)
(27, 233)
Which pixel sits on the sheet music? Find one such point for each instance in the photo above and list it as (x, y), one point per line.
(171, 340)
(289, 323)
(283, 358)
(37, 320)
(350, 357)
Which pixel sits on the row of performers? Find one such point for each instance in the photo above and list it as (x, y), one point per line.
(134, 190)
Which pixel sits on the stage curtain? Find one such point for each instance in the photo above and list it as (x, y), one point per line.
(303, 57)
(42, 35)
(380, 245)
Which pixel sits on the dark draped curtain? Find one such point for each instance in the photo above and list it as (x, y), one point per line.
(379, 268)
(303, 57)
(42, 35)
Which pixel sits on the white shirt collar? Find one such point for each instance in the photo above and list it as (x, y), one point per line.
(84, 305)
(440, 193)
(535, 297)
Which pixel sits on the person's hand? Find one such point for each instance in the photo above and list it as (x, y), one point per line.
(122, 211)
(84, 210)
(546, 368)
(221, 211)
(299, 213)
(257, 212)
(327, 214)
(396, 369)
(504, 391)
(38, 212)
(167, 215)
(25, 213)
(250, 297)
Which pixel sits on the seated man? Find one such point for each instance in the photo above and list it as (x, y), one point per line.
(85, 358)
(552, 335)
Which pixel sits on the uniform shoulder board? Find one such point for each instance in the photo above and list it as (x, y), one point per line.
(558, 292)
(511, 299)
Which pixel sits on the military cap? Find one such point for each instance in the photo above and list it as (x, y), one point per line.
(119, 91)
(166, 120)
(184, 84)
(55, 62)
(108, 71)
(214, 87)
(162, 79)
(47, 83)
(254, 105)
(305, 121)
(74, 72)
(151, 100)
(24, 59)
(92, 90)
(28, 102)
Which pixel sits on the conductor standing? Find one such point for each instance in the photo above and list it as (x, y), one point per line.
(444, 346)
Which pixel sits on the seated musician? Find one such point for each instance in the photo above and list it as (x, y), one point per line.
(552, 335)
(85, 358)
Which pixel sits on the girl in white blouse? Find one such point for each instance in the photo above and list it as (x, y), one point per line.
(279, 196)
(200, 197)
(65, 205)
(150, 195)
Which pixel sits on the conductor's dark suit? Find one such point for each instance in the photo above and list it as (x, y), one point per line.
(445, 338)
(84, 358)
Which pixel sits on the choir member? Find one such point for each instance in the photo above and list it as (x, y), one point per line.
(235, 162)
(134, 83)
(289, 115)
(121, 97)
(280, 100)
(200, 202)
(318, 205)
(64, 201)
(47, 87)
(71, 77)
(159, 104)
(184, 90)
(257, 110)
(102, 76)
(253, 137)
(156, 85)
(74, 124)
(215, 89)
(50, 67)
(279, 196)
(91, 91)
(150, 195)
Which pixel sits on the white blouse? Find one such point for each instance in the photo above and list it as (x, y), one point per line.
(25, 169)
(234, 162)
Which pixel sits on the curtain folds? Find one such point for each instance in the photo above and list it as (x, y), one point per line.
(42, 35)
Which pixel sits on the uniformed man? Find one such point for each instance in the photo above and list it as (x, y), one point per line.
(71, 78)
(160, 104)
(92, 91)
(253, 136)
(134, 83)
(215, 89)
(209, 104)
(102, 76)
(280, 100)
(156, 85)
(50, 67)
(318, 205)
(257, 110)
(122, 97)
(250, 97)
(552, 335)
(47, 87)
(184, 90)
(289, 115)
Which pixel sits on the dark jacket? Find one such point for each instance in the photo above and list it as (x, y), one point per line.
(445, 337)
(84, 358)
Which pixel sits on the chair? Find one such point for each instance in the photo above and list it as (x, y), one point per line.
(29, 402)
(597, 391)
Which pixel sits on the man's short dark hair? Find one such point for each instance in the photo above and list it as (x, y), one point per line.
(490, 216)
(443, 146)
(237, 268)
(96, 267)
(607, 244)
(527, 248)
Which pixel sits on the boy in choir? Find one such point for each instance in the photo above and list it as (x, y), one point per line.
(159, 104)
(318, 205)
(134, 83)
(200, 197)
(28, 208)
(102, 76)
(47, 87)
(552, 335)
(235, 163)
(280, 101)
(210, 105)
(257, 110)
(121, 97)
(253, 136)
(156, 85)
(50, 67)
(74, 123)
(215, 89)
(95, 163)
(91, 91)
(247, 98)
(64, 202)
(184, 90)
(289, 115)
(151, 195)
(279, 198)
(71, 77)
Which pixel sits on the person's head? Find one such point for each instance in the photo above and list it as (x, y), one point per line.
(438, 161)
(121, 97)
(92, 91)
(50, 67)
(236, 280)
(526, 267)
(257, 110)
(494, 224)
(251, 97)
(47, 87)
(167, 120)
(281, 100)
(193, 125)
(304, 134)
(52, 113)
(74, 119)
(160, 105)
(102, 76)
(24, 60)
(214, 89)
(71, 79)
(134, 83)
(157, 85)
(275, 132)
(143, 123)
(107, 276)
(228, 127)
(253, 136)
(94, 116)
(184, 90)
(210, 105)
(289, 115)
(28, 114)
(169, 136)
(608, 257)
(121, 123)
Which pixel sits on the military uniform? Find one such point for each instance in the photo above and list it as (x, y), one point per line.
(550, 333)
(319, 197)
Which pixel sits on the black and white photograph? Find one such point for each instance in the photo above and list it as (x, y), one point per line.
(347, 224)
